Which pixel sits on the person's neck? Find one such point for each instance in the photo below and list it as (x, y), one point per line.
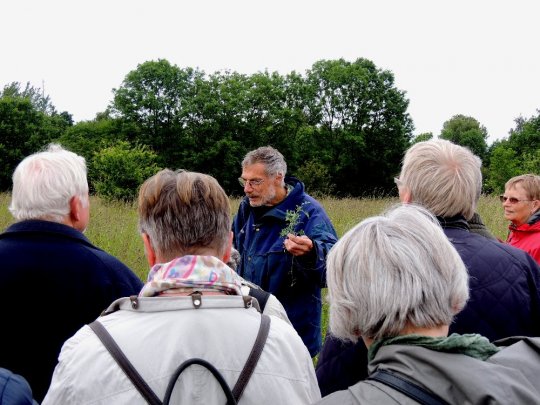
(409, 329)
(281, 194)
(161, 258)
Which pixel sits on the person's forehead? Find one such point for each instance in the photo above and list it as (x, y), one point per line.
(256, 170)
(516, 189)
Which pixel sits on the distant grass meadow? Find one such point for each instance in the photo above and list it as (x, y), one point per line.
(113, 226)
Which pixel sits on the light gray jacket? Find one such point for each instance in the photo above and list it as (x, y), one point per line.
(163, 332)
(512, 376)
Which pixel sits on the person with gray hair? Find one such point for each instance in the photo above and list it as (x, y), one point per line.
(53, 280)
(395, 281)
(191, 307)
(392, 274)
(283, 236)
(505, 283)
(45, 185)
(446, 179)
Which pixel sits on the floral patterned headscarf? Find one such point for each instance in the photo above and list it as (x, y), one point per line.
(189, 273)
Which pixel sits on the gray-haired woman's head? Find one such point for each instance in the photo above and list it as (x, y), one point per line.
(393, 270)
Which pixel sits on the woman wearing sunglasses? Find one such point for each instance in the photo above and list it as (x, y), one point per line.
(521, 204)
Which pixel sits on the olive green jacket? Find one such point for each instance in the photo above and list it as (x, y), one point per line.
(511, 376)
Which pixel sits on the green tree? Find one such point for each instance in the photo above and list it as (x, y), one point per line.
(316, 178)
(503, 166)
(525, 138)
(157, 98)
(36, 96)
(28, 122)
(20, 124)
(425, 136)
(233, 113)
(531, 162)
(56, 122)
(466, 131)
(347, 118)
(120, 169)
(518, 154)
(88, 137)
(363, 119)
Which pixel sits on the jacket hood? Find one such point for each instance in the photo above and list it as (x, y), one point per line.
(534, 218)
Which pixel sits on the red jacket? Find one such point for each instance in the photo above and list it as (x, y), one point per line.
(526, 237)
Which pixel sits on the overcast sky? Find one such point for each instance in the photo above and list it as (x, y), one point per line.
(479, 58)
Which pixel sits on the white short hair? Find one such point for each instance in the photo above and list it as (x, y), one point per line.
(393, 269)
(45, 182)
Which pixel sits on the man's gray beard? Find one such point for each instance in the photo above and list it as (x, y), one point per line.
(266, 200)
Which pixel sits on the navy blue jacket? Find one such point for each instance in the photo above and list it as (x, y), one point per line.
(295, 281)
(14, 389)
(504, 301)
(52, 282)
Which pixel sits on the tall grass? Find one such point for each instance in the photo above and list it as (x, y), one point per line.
(113, 226)
(491, 211)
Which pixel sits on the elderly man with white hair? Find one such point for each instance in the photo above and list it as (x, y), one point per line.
(395, 281)
(53, 279)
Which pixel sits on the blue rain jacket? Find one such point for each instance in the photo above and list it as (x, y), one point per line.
(295, 281)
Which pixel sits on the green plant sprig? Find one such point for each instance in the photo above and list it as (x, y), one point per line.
(292, 217)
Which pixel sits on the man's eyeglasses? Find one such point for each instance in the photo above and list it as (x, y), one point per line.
(252, 183)
(512, 200)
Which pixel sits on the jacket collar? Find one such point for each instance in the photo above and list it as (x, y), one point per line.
(534, 218)
(40, 226)
(456, 222)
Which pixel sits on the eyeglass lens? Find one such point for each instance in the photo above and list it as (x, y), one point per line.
(512, 200)
(252, 183)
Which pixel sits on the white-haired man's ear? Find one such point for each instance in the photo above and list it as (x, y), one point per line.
(78, 214)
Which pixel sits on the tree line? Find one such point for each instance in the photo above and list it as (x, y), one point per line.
(342, 126)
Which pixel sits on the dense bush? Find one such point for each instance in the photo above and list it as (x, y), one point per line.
(117, 171)
(316, 178)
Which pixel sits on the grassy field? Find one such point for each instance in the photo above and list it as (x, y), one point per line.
(113, 227)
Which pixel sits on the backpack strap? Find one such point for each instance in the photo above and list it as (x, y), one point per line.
(410, 389)
(150, 396)
(215, 372)
(120, 358)
(260, 295)
(253, 358)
